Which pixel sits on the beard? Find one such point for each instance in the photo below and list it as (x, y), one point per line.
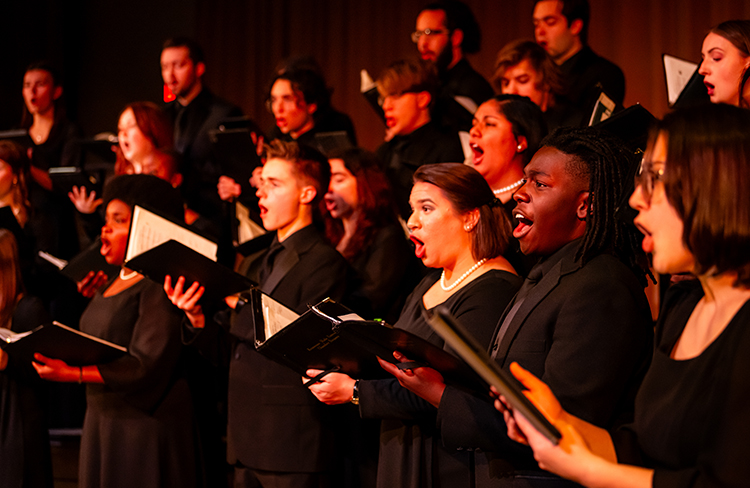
(444, 59)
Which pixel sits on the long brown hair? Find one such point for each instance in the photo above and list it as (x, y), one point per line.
(154, 124)
(15, 156)
(11, 285)
(375, 201)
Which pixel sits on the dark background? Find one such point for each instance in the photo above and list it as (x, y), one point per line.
(110, 50)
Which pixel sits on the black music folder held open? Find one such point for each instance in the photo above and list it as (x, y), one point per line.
(58, 341)
(90, 259)
(176, 259)
(331, 337)
(477, 357)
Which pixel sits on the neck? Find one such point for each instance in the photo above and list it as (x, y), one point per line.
(721, 289)
(350, 223)
(458, 55)
(185, 100)
(575, 48)
(511, 175)
(304, 218)
(305, 128)
(422, 120)
(461, 264)
(44, 120)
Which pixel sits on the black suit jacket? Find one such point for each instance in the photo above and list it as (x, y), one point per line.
(192, 124)
(586, 331)
(275, 423)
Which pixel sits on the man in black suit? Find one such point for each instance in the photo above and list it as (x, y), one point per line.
(195, 112)
(446, 31)
(561, 28)
(581, 320)
(278, 434)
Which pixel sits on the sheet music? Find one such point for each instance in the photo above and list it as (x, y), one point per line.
(247, 229)
(678, 73)
(148, 230)
(275, 315)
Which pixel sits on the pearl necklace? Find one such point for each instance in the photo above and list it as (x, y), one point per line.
(508, 188)
(125, 277)
(463, 277)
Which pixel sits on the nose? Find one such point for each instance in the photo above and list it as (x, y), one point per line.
(276, 107)
(475, 132)
(521, 195)
(388, 102)
(511, 88)
(260, 192)
(422, 43)
(539, 31)
(637, 200)
(413, 221)
(703, 68)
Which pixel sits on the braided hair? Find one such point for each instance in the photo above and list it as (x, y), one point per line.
(603, 161)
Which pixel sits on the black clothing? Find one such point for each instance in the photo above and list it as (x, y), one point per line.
(402, 155)
(411, 452)
(471, 87)
(388, 271)
(25, 460)
(565, 114)
(139, 427)
(586, 331)
(200, 173)
(275, 423)
(584, 70)
(691, 420)
(325, 121)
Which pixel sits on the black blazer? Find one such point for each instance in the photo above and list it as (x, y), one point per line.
(275, 423)
(586, 331)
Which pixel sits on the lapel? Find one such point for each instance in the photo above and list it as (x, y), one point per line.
(549, 282)
(302, 244)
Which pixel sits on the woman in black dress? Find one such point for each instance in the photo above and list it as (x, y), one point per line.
(691, 418)
(459, 228)
(24, 443)
(139, 428)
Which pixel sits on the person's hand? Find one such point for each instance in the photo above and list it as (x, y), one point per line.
(55, 369)
(90, 283)
(255, 179)
(333, 388)
(258, 141)
(228, 188)
(186, 299)
(390, 133)
(423, 381)
(86, 204)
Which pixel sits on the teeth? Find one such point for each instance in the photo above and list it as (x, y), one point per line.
(518, 216)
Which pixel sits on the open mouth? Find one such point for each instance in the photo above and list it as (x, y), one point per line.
(263, 211)
(419, 250)
(710, 87)
(390, 122)
(648, 241)
(478, 153)
(330, 205)
(106, 247)
(524, 225)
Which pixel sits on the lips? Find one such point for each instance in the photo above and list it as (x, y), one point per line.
(709, 87)
(330, 205)
(106, 247)
(390, 122)
(263, 211)
(524, 225)
(648, 241)
(419, 248)
(478, 153)
(281, 122)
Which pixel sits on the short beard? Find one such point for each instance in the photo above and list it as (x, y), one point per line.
(444, 59)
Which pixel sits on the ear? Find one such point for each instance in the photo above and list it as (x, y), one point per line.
(582, 208)
(57, 93)
(200, 69)
(471, 219)
(522, 144)
(457, 37)
(312, 108)
(307, 194)
(423, 99)
(576, 27)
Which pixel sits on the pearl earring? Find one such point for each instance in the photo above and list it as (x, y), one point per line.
(520, 148)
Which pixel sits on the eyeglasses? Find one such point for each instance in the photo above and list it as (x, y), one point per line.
(647, 177)
(395, 96)
(427, 32)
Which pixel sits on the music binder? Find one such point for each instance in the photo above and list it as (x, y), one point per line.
(82, 263)
(477, 357)
(331, 337)
(176, 259)
(58, 341)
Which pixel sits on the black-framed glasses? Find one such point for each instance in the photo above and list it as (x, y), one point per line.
(647, 177)
(427, 32)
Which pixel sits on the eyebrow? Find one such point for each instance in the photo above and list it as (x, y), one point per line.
(531, 173)
(425, 200)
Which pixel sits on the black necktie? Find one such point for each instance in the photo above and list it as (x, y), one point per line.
(267, 266)
(529, 283)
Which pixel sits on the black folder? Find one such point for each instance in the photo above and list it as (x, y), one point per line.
(58, 341)
(175, 259)
(64, 178)
(329, 336)
(90, 259)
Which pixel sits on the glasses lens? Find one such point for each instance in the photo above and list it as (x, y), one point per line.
(415, 36)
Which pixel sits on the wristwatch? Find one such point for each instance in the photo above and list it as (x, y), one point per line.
(355, 393)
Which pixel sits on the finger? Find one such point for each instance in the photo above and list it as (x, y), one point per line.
(311, 373)
(525, 377)
(389, 367)
(41, 359)
(168, 286)
(178, 286)
(192, 303)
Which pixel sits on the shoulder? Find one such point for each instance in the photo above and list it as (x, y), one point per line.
(30, 313)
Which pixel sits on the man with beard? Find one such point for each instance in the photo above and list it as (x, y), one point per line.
(195, 112)
(446, 30)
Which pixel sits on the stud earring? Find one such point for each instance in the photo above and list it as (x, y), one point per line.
(520, 148)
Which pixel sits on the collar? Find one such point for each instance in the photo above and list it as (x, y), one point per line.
(299, 242)
(566, 254)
